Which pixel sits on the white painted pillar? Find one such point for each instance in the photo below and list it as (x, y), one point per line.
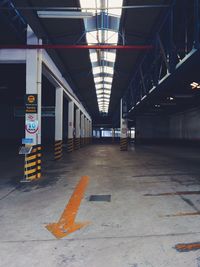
(59, 114)
(58, 123)
(32, 167)
(33, 87)
(123, 126)
(70, 143)
(82, 129)
(78, 128)
(90, 131)
(86, 130)
(113, 135)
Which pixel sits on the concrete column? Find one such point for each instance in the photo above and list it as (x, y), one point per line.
(90, 132)
(70, 142)
(82, 129)
(123, 126)
(58, 123)
(32, 168)
(113, 135)
(86, 131)
(78, 129)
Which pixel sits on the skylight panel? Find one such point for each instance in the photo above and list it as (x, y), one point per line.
(96, 70)
(103, 90)
(107, 86)
(109, 56)
(98, 79)
(93, 57)
(108, 70)
(111, 37)
(108, 79)
(115, 3)
(92, 37)
(103, 100)
(98, 86)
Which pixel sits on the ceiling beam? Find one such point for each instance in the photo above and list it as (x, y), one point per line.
(57, 46)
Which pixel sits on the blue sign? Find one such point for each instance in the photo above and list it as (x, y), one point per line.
(27, 141)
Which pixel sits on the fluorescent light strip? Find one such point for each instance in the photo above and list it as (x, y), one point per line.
(63, 14)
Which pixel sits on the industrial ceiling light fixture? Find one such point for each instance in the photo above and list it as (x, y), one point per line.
(195, 85)
(63, 14)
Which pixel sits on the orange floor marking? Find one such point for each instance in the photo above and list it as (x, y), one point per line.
(66, 223)
(187, 247)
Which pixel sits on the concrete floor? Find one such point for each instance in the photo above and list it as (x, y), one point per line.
(136, 229)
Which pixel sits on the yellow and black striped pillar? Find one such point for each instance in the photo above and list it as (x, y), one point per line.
(70, 144)
(124, 144)
(58, 149)
(39, 161)
(77, 143)
(32, 166)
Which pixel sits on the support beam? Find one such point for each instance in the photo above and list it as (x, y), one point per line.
(12, 56)
(70, 141)
(53, 74)
(57, 46)
(59, 123)
(78, 129)
(32, 169)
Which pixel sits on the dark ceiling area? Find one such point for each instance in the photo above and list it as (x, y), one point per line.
(75, 65)
(175, 94)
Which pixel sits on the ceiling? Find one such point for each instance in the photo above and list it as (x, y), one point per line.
(75, 65)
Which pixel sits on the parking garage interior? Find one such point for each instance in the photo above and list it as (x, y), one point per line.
(100, 133)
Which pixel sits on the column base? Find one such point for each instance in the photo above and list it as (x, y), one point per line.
(32, 165)
(124, 144)
(70, 144)
(77, 143)
(58, 149)
(82, 142)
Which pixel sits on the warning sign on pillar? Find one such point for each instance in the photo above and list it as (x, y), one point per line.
(31, 102)
(31, 123)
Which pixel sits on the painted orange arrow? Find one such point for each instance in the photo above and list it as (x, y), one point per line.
(66, 223)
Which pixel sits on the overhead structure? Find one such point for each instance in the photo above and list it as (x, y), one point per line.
(105, 31)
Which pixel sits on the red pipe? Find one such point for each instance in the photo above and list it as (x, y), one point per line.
(56, 46)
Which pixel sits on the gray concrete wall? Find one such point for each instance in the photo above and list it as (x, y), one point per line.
(185, 125)
(152, 127)
(180, 126)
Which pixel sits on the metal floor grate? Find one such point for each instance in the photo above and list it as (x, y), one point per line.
(105, 198)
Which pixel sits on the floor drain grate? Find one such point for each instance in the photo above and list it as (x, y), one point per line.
(106, 198)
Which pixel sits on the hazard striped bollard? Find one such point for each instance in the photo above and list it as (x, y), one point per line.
(70, 144)
(124, 144)
(32, 166)
(77, 143)
(58, 149)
